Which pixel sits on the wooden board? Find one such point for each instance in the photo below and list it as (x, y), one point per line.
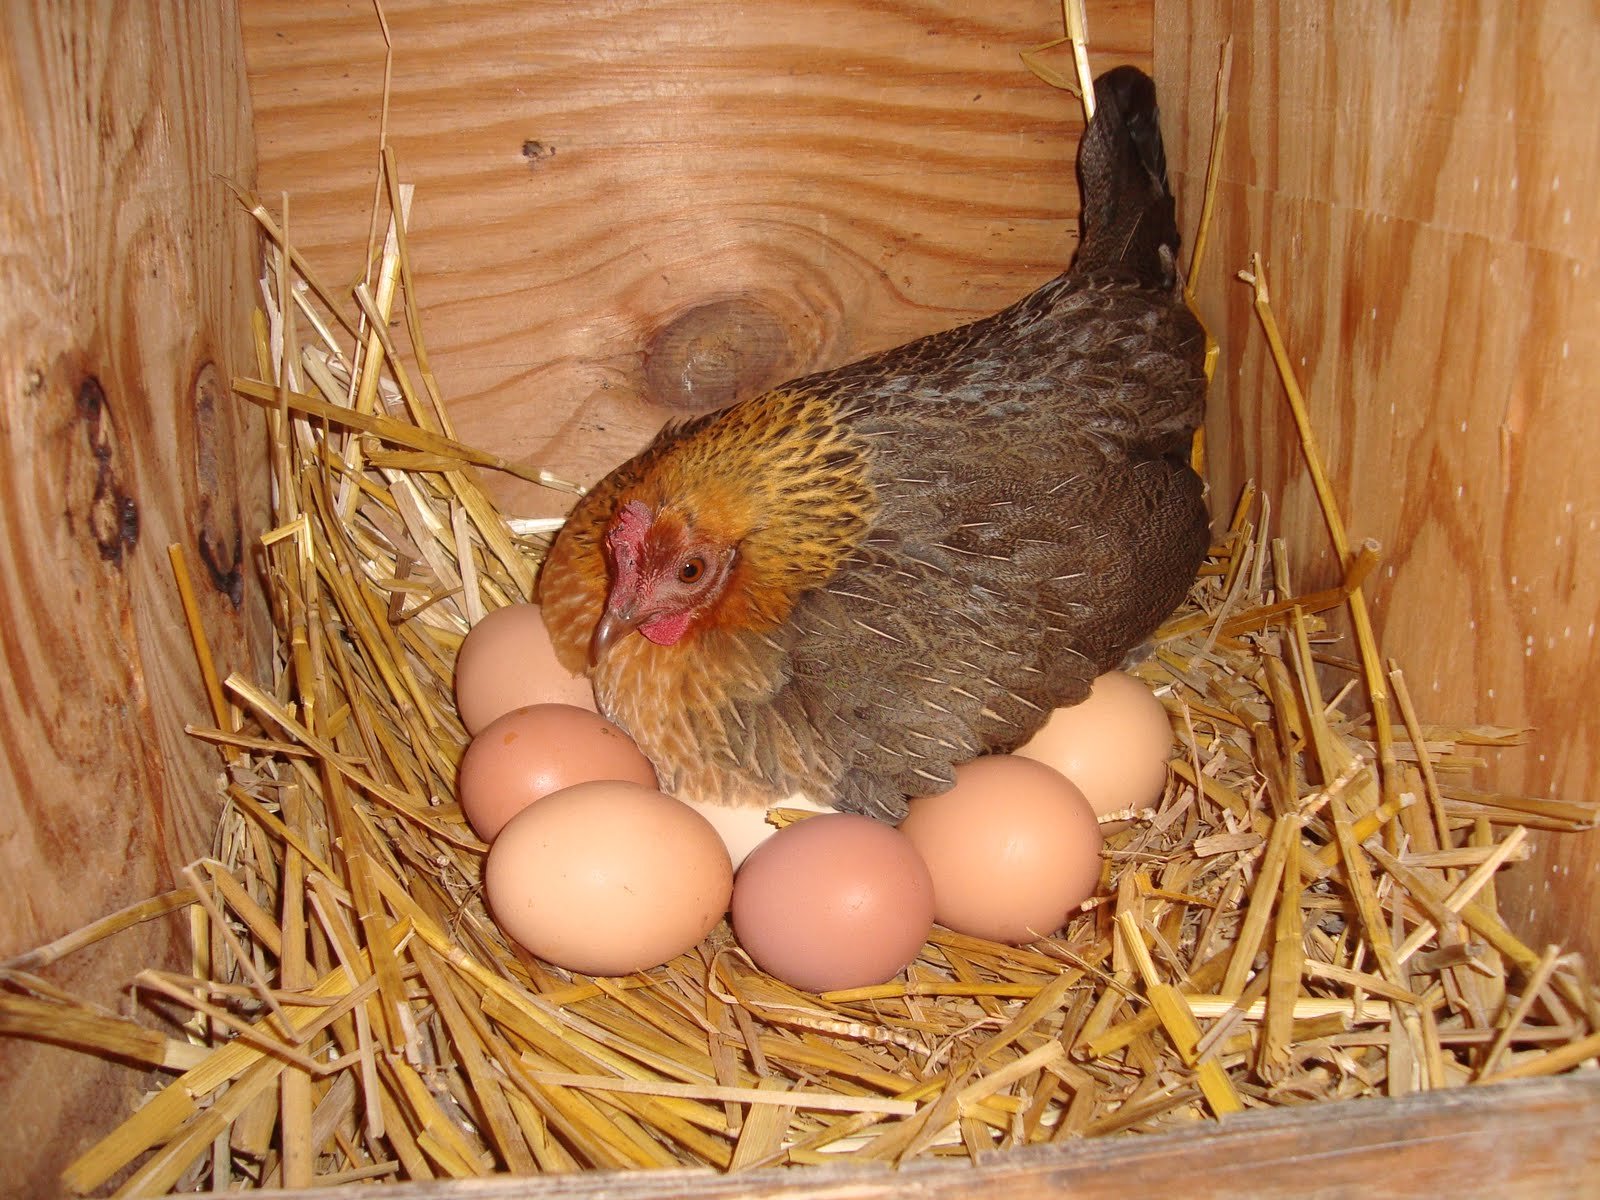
(1424, 183)
(628, 212)
(1523, 1141)
(124, 277)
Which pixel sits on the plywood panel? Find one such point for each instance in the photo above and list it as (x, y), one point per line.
(1422, 180)
(124, 276)
(626, 210)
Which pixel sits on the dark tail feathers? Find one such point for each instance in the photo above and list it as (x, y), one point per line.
(1128, 219)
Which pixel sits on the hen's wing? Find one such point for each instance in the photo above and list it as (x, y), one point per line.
(1037, 520)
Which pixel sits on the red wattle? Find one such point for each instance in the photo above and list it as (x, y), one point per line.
(664, 631)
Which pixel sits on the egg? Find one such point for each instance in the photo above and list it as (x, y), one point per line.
(607, 878)
(1114, 745)
(530, 752)
(1013, 849)
(833, 901)
(745, 826)
(506, 661)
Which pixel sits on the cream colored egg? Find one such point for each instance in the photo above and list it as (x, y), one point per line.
(1114, 745)
(506, 661)
(743, 827)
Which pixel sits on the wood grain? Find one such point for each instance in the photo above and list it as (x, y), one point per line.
(124, 277)
(1424, 183)
(1524, 1141)
(629, 209)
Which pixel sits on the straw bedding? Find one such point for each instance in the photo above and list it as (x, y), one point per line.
(1309, 913)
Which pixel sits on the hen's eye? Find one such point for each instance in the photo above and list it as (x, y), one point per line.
(691, 570)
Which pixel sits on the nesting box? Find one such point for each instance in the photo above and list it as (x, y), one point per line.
(624, 215)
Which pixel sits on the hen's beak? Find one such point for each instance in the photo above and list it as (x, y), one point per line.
(614, 625)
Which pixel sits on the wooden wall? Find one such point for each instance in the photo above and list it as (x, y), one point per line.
(124, 277)
(1423, 180)
(626, 211)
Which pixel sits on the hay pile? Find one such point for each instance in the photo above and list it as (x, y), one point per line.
(1308, 914)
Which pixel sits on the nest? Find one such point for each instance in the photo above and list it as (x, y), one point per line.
(1308, 914)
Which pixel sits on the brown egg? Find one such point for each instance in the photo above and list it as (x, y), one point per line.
(607, 878)
(834, 901)
(1013, 849)
(506, 661)
(1114, 745)
(530, 752)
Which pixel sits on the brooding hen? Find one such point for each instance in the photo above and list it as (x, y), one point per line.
(849, 585)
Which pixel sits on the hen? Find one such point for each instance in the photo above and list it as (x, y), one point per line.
(849, 585)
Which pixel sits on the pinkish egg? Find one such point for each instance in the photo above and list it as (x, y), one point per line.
(833, 901)
(506, 661)
(530, 752)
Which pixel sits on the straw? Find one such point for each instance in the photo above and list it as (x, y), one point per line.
(1307, 912)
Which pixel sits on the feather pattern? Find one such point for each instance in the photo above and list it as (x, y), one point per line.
(936, 545)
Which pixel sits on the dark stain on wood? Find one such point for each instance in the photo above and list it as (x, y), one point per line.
(537, 153)
(218, 534)
(113, 513)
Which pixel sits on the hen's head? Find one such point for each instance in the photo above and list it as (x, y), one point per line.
(713, 532)
(664, 575)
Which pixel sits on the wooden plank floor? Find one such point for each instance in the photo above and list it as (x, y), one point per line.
(1530, 1140)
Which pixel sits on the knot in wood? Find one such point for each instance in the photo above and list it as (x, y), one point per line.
(113, 515)
(716, 353)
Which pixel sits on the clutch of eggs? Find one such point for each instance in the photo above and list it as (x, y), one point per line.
(1014, 847)
(1011, 851)
(589, 867)
(593, 869)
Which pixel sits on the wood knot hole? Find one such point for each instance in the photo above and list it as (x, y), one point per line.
(113, 513)
(716, 353)
(219, 530)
